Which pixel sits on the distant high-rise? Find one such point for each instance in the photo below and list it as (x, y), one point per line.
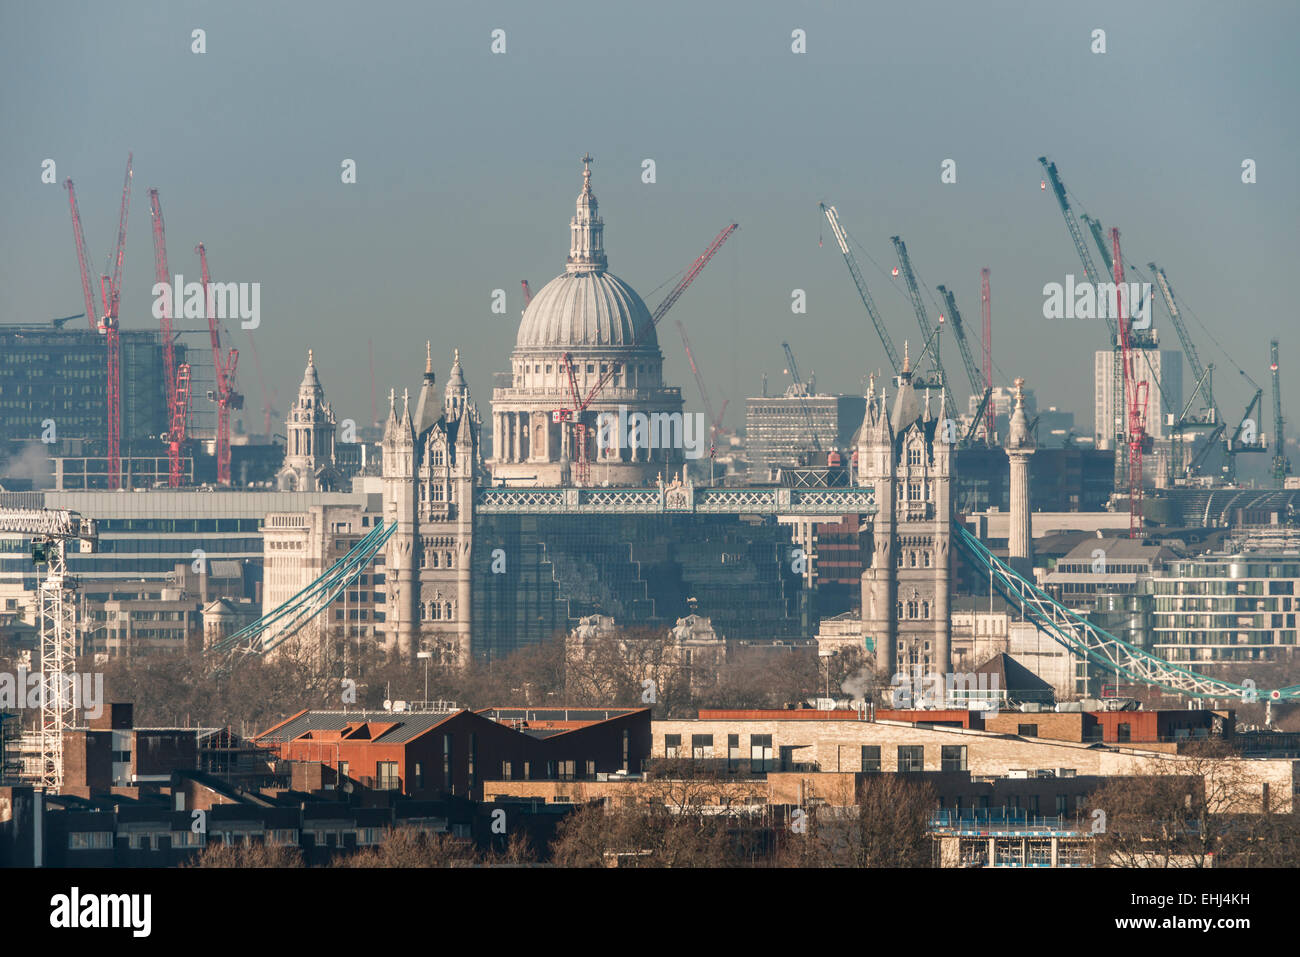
(58, 375)
(1155, 365)
(777, 431)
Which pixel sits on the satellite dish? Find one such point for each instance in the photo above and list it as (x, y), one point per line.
(388, 705)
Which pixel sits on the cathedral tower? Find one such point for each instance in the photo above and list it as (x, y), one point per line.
(309, 433)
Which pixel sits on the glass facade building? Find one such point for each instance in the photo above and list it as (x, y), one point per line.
(535, 576)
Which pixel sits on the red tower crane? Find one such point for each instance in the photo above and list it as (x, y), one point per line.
(92, 311)
(112, 291)
(1136, 393)
(715, 421)
(988, 351)
(177, 401)
(226, 396)
(574, 415)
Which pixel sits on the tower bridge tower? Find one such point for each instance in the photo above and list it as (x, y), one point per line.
(904, 454)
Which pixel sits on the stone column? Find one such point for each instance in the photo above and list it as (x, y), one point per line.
(1020, 539)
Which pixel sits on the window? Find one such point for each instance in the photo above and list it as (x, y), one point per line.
(1125, 731)
(473, 755)
(914, 455)
(446, 762)
(733, 752)
(386, 776)
(952, 757)
(419, 775)
(506, 769)
(871, 758)
(701, 746)
(760, 753)
(1027, 730)
(1066, 772)
(911, 757)
(1060, 803)
(672, 745)
(343, 769)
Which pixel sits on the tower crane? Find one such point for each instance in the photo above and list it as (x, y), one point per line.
(226, 397)
(973, 371)
(172, 375)
(1211, 414)
(850, 260)
(106, 324)
(1136, 391)
(987, 309)
(1281, 463)
(715, 421)
(112, 294)
(801, 392)
(573, 416)
(50, 530)
(1092, 274)
(528, 293)
(923, 320)
(79, 237)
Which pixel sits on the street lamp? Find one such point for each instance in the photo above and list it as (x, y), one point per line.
(426, 655)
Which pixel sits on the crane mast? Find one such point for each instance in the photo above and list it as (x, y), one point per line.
(50, 530)
(226, 397)
(1138, 440)
(923, 320)
(1281, 463)
(841, 237)
(973, 371)
(801, 392)
(92, 311)
(1202, 373)
(175, 412)
(714, 419)
(987, 310)
(112, 339)
(1092, 274)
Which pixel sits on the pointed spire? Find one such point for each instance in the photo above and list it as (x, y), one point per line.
(391, 423)
(586, 229)
(311, 359)
(428, 357)
(907, 360)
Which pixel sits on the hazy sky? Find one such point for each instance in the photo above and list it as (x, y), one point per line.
(467, 169)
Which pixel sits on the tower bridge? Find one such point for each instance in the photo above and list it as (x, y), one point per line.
(828, 504)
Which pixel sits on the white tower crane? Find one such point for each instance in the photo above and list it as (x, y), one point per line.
(50, 530)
